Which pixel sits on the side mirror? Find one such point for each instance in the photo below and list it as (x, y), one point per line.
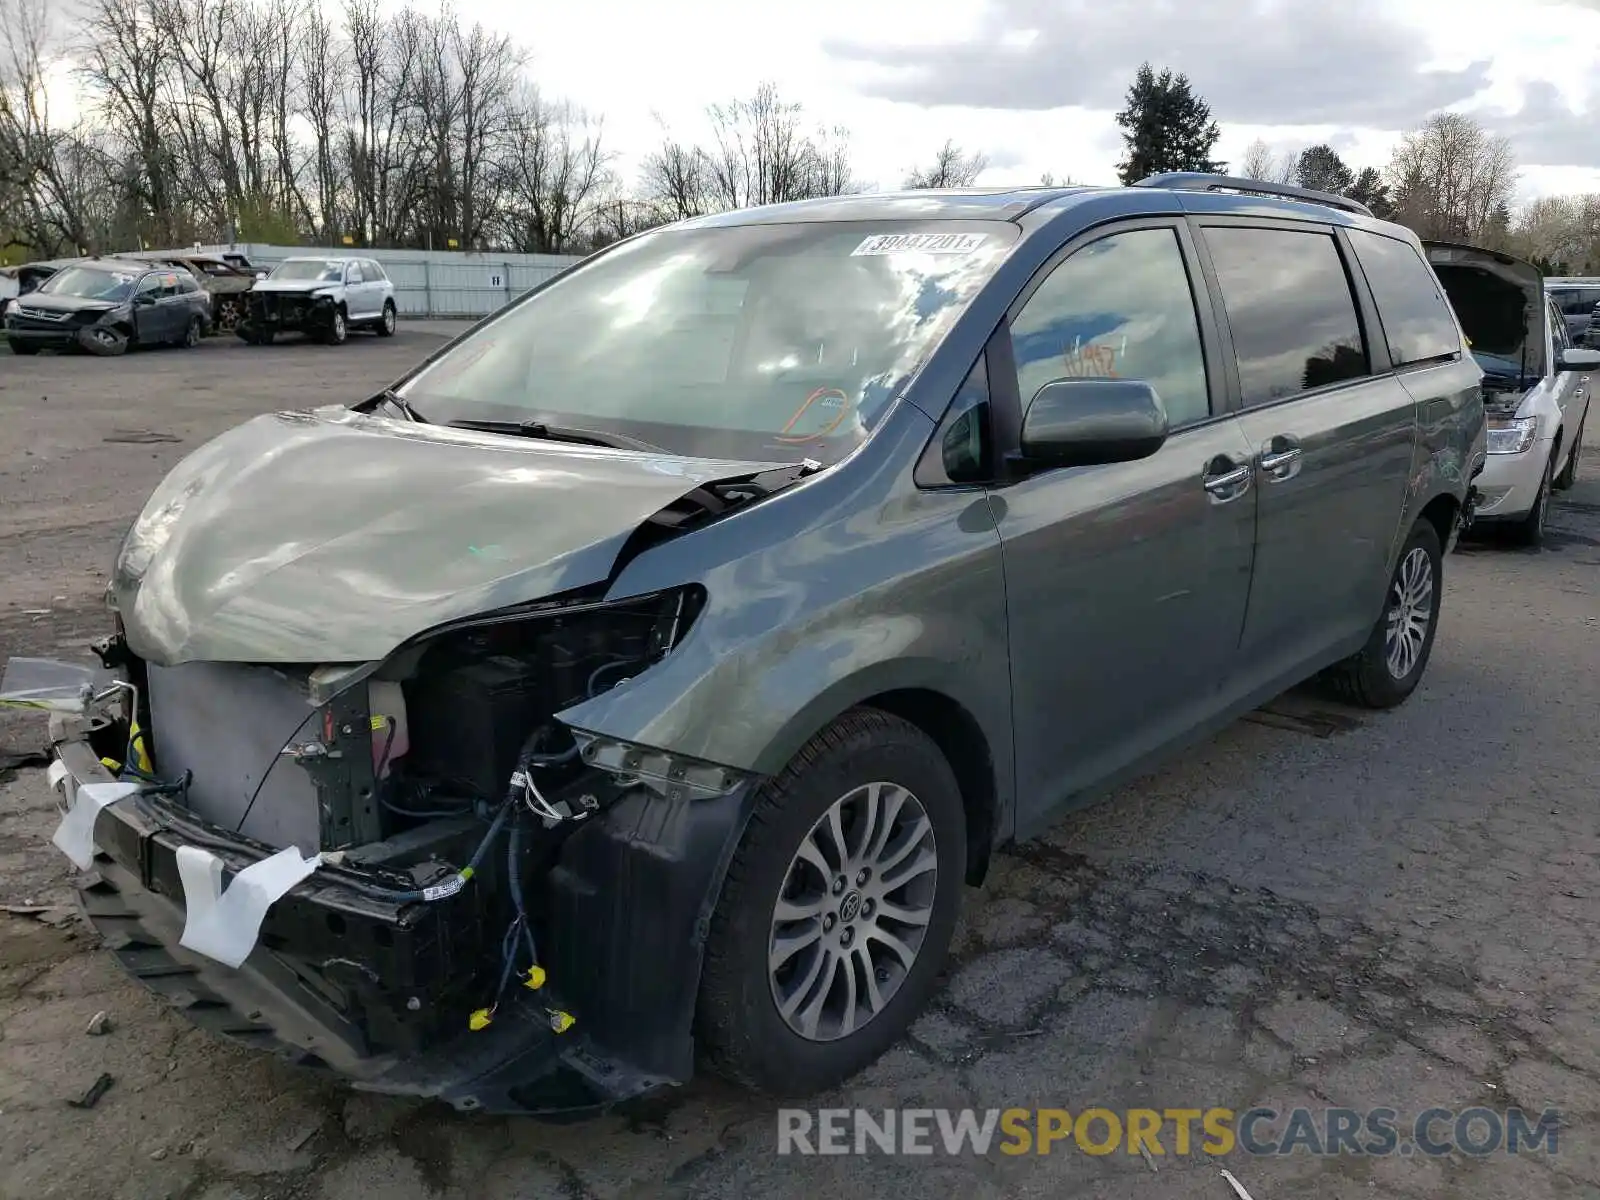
(1578, 360)
(1083, 422)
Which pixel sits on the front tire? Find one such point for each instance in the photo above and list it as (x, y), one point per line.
(1388, 668)
(106, 343)
(1530, 530)
(338, 329)
(193, 333)
(837, 911)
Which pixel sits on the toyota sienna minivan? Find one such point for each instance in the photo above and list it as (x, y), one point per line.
(640, 680)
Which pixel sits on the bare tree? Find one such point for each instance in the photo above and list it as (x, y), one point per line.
(676, 180)
(763, 156)
(322, 75)
(50, 177)
(359, 119)
(1450, 176)
(951, 167)
(127, 65)
(557, 176)
(1261, 164)
(1562, 233)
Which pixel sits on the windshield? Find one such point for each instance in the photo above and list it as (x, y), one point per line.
(90, 283)
(762, 342)
(309, 271)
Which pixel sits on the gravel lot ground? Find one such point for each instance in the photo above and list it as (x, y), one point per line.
(1319, 907)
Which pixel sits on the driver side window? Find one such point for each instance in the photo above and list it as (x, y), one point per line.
(149, 287)
(1119, 308)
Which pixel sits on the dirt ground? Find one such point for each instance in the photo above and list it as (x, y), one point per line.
(1319, 908)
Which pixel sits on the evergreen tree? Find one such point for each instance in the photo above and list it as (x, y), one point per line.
(1165, 127)
(1369, 189)
(1321, 168)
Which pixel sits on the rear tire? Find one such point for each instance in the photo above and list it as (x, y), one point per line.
(844, 941)
(1385, 671)
(1569, 473)
(386, 323)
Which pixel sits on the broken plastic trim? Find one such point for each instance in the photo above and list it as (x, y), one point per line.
(672, 775)
(327, 682)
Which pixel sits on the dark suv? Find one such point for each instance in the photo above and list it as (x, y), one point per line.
(105, 306)
(643, 676)
(1579, 302)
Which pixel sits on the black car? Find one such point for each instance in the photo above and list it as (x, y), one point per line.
(106, 305)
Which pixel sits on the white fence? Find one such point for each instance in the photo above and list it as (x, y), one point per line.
(432, 283)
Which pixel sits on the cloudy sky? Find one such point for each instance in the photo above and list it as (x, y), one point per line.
(1033, 84)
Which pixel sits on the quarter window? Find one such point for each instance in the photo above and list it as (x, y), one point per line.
(1417, 322)
(1558, 329)
(1119, 308)
(1290, 310)
(965, 443)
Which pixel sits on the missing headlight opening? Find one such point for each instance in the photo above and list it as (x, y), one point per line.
(438, 792)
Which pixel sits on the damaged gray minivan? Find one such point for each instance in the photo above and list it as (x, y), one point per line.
(639, 680)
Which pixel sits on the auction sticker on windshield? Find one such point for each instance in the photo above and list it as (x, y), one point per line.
(920, 243)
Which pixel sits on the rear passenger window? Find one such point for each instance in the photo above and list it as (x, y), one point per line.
(1290, 309)
(1417, 322)
(1119, 308)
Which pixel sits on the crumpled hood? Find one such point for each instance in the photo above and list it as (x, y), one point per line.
(332, 537)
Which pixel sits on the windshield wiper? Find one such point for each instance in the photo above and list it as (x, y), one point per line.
(557, 433)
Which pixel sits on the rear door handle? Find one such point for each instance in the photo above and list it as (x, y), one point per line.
(1280, 459)
(1225, 480)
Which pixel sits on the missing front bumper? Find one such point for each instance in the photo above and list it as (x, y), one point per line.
(377, 992)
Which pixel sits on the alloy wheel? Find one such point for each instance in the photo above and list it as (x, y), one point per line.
(1410, 613)
(852, 912)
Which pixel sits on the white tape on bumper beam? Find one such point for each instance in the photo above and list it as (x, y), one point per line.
(74, 837)
(224, 925)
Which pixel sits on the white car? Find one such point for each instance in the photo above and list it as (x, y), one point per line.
(324, 297)
(1536, 383)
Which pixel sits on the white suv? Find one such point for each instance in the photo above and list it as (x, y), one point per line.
(320, 297)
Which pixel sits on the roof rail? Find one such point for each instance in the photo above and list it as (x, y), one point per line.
(1199, 181)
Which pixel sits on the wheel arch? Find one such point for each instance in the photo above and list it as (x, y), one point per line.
(915, 692)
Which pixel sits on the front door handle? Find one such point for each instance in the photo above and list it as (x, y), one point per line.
(1280, 459)
(1226, 480)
